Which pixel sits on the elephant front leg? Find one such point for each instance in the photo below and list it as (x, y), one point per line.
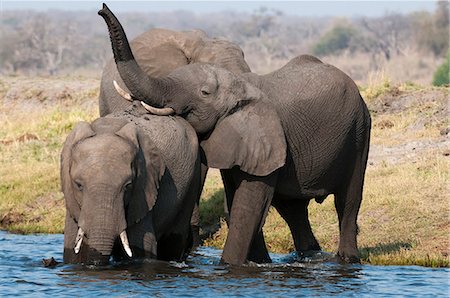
(249, 209)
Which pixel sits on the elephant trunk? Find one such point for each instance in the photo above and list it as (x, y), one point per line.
(101, 243)
(143, 87)
(102, 222)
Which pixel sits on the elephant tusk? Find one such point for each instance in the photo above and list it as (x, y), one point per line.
(158, 111)
(122, 92)
(126, 245)
(78, 240)
(150, 109)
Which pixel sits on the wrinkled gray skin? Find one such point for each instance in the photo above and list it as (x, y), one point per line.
(131, 172)
(160, 51)
(298, 133)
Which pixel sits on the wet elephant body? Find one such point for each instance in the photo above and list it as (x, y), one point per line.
(130, 182)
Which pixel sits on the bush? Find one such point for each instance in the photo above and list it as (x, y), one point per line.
(441, 76)
(334, 41)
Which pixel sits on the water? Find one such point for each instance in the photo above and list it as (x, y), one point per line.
(22, 273)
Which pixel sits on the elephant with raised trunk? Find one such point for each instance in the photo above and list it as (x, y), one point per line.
(160, 51)
(284, 138)
(130, 182)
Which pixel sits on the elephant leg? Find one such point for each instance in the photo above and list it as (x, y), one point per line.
(295, 213)
(347, 202)
(249, 209)
(229, 186)
(195, 219)
(258, 250)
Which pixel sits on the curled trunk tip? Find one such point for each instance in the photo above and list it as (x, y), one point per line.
(121, 49)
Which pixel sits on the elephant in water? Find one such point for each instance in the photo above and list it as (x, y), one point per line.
(284, 138)
(160, 51)
(130, 182)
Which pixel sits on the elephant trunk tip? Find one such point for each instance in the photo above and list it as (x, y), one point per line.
(119, 41)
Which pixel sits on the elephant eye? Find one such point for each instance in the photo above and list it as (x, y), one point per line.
(78, 185)
(205, 91)
(128, 186)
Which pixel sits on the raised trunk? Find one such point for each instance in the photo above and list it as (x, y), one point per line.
(142, 87)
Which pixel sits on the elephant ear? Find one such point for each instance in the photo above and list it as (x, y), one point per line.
(149, 167)
(81, 131)
(251, 138)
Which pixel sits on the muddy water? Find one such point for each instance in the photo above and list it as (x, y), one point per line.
(22, 273)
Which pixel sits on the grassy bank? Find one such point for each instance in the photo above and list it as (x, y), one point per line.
(404, 217)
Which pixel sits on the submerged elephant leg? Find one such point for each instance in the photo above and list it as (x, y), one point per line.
(295, 213)
(249, 208)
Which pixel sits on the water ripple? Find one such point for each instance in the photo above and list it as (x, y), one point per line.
(22, 273)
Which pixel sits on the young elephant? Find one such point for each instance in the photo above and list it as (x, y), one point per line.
(130, 181)
(284, 138)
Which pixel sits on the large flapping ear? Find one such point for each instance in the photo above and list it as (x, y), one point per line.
(149, 167)
(81, 131)
(251, 138)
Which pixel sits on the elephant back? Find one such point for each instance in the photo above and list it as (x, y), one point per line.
(160, 51)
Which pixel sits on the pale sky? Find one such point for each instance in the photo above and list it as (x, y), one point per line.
(304, 8)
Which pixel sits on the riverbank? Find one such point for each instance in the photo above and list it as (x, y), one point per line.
(404, 217)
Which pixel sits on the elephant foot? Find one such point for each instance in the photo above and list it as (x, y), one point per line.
(310, 244)
(350, 259)
(311, 256)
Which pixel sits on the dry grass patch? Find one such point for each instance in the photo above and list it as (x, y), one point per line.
(31, 138)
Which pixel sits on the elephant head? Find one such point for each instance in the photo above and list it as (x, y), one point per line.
(239, 127)
(110, 176)
(160, 51)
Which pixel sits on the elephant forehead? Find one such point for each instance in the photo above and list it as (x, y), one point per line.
(105, 147)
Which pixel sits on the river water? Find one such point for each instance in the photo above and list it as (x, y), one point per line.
(22, 273)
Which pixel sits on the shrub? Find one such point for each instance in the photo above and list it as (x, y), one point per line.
(442, 74)
(335, 40)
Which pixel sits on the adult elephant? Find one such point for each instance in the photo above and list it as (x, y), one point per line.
(130, 181)
(298, 133)
(160, 51)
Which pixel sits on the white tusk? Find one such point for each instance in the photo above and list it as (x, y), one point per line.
(122, 92)
(78, 240)
(158, 111)
(126, 245)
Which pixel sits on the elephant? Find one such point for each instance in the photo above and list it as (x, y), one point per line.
(130, 182)
(160, 51)
(299, 133)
